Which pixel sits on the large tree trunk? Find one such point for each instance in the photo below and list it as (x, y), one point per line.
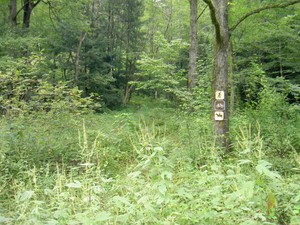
(193, 44)
(13, 12)
(219, 16)
(220, 72)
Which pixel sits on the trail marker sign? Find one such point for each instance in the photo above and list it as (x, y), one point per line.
(219, 105)
(220, 95)
(219, 115)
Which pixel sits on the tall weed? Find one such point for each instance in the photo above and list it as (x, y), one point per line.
(151, 167)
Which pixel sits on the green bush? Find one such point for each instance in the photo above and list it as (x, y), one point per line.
(24, 91)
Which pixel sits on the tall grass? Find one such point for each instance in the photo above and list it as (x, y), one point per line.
(150, 166)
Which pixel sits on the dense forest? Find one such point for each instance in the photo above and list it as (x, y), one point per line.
(150, 112)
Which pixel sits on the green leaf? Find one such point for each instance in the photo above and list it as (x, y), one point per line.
(166, 174)
(248, 189)
(26, 195)
(75, 184)
(5, 219)
(121, 199)
(51, 222)
(249, 222)
(122, 218)
(162, 188)
(244, 161)
(102, 216)
(183, 192)
(263, 168)
(134, 174)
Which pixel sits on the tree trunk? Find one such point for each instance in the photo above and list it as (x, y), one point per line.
(77, 58)
(27, 9)
(28, 6)
(220, 72)
(219, 17)
(127, 94)
(193, 45)
(13, 12)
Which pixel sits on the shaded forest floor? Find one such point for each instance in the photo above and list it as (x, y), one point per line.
(149, 164)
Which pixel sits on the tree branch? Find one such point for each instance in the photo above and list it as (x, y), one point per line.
(214, 19)
(202, 12)
(35, 4)
(256, 11)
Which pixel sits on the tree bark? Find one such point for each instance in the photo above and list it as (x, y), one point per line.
(28, 6)
(220, 72)
(193, 45)
(77, 58)
(13, 12)
(219, 17)
(127, 94)
(27, 9)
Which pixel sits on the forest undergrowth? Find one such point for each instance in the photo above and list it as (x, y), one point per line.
(149, 164)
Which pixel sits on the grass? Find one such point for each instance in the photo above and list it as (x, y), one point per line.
(144, 165)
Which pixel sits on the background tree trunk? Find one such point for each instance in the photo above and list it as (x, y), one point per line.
(27, 9)
(29, 5)
(193, 44)
(77, 58)
(13, 12)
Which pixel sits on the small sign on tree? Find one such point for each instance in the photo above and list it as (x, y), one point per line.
(219, 105)
(220, 95)
(219, 115)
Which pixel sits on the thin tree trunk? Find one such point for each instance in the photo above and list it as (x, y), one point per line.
(193, 45)
(127, 94)
(13, 12)
(28, 7)
(77, 58)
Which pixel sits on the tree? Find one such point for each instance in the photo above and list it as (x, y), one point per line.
(219, 17)
(13, 12)
(193, 44)
(28, 6)
(159, 74)
(132, 37)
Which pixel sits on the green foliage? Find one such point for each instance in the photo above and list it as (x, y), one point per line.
(277, 124)
(23, 89)
(251, 81)
(159, 73)
(146, 165)
(274, 44)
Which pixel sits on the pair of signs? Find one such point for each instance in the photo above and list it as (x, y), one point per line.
(219, 105)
